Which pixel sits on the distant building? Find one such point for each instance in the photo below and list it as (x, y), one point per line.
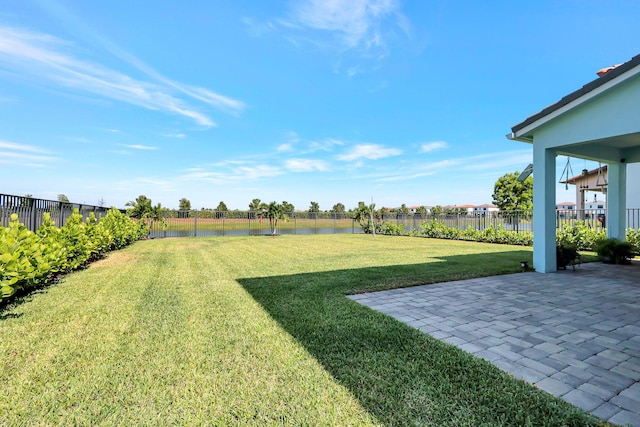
(596, 205)
(566, 210)
(595, 180)
(486, 208)
(566, 206)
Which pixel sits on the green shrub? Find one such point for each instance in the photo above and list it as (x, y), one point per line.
(614, 251)
(392, 229)
(580, 236)
(439, 230)
(75, 239)
(54, 253)
(566, 254)
(20, 255)
(29, 259)
(633, 237)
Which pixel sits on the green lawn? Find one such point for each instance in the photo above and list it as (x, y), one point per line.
(256, 331)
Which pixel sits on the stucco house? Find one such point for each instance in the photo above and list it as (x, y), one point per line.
(596, 181)
(485, 209)
(597, 122)
(565, 206)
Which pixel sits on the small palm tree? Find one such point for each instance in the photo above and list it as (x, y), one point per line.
(274, 212)
(365, 216)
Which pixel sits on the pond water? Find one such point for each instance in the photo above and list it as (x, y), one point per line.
(254, 232)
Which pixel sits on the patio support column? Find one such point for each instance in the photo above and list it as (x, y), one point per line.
(544, 209)
(616, 200)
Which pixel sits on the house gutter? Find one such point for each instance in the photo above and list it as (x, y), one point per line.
(513, 137)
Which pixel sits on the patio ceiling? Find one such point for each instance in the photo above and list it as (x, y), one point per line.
(611, 149)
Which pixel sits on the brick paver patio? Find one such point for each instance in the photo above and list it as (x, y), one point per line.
(575, 334)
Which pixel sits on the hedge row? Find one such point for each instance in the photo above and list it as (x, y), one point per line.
(491, 234)
(29, 259)
(580, 236)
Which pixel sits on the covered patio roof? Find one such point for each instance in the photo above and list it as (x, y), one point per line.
(599, 122)
(626, 145)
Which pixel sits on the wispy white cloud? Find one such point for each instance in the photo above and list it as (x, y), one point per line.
(306, 165)
(23, 155)
(499, 162)
(432, 146)
(291, 140)
(174, 135)
(230, 162)
(283, 148)
(237, 174)
(369, 151)
(326, 144)
(258, 28)
(21, 147)
(139, 147)
(406, 177)
(516, 159)
(355, 23)
(256, 172)
(46, 58)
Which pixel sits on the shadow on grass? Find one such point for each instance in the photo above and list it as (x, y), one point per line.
(22, 297)
(400, 375)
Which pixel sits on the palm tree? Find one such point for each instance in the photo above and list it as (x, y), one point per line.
(139, 207)
(274, 212)
(365, 216)
(338, 208)
(254, 207)
(287, 207)
(314, 207)
(143, 210)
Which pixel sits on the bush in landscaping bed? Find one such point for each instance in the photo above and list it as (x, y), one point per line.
(29, 259)
(579, 235)
(633, 237)
(615, 251)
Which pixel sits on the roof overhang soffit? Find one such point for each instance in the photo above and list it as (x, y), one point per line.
(526, 133)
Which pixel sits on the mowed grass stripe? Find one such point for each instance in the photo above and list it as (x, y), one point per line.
(256, 331)
(164, 337)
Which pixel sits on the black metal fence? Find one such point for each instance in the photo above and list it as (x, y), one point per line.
(228, 223)
(31, 210)
(243, 223)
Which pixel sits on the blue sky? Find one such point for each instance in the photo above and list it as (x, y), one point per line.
(306, 100)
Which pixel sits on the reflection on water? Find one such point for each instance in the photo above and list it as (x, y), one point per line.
(253, 232)
(258, 231)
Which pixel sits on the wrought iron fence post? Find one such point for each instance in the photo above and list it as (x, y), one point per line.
(32, 213)
(195, 224)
